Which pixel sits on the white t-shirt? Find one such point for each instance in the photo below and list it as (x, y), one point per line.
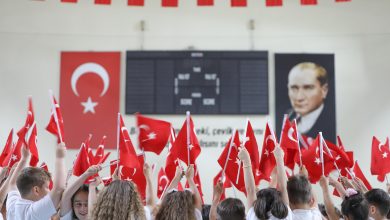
(30, 210)
(68, 216)
(307, 214)
(198, 214)
(12, 197)
(252, 215)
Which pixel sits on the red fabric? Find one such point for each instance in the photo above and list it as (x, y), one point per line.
(87, 143)
(153, 133)
(180, 148)
(342, 159)
(380, 157)
(311, 158)
(169, 3)
(103, 2)
(7, 148)
(289, 143)
(238, 3)
(127, 155)
(226, 183)
(162, 182)
(29, 121)
(136, 2)
(89, 96)
(15, 154)
(230, 163)
(274, 2)
(44, 166)
(198, 183)
(81, 164)
(308, 2)
(134, 174)
(359, 173)
(205, 2)
(100, 157)
(267, 160)
(52, 126)
(172, 161)
(250, 144)
(32, 145)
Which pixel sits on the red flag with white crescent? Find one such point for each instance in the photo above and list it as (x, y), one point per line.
(89, 96)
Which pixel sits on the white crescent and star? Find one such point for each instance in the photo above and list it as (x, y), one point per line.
(89, 105)
(290, 134)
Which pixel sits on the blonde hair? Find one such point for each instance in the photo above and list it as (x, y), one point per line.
(119, 201)
(322, 75)
(177, 205)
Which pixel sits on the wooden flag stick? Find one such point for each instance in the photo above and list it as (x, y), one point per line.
(188, 136)
(55, 114)
(117, 138)
(229, 151)
(322, 154)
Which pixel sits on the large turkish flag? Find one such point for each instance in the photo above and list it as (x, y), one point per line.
(89, 96)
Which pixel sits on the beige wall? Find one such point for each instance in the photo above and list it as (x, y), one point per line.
(33, 33)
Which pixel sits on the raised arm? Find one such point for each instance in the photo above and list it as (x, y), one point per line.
(281, 173)
(59, 175)
(5, 186)
(338, 186)
(190, 178)
(329, 206)
(19, 167)
(66, 204)
(92, 195)
(150, 194)
(250, 186)
(217, 192)
(175, 181)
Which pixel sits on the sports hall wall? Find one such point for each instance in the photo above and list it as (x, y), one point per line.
(33, 33)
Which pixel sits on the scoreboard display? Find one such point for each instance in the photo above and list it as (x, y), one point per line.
(202, 82)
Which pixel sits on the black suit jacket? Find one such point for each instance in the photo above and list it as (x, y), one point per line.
(326, 123)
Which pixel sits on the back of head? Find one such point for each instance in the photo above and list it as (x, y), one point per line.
(380, 199)
(355, 207)
(206, 211)
(231, 209)
(177, 205)
(270, 200)
(30, 177)
(299, 190)
(119, 201)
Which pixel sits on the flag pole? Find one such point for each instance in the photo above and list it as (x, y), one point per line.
(299, 147)
(117, 138)
(55, 114)
(234, 192)
(281, 131)
(387, 180)
(322, 154)
(230, 148)
(137, 131)
(188, 136)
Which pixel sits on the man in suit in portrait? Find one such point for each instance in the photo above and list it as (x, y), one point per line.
(307, 90)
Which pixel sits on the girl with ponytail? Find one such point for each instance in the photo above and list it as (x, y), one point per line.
(268, 203)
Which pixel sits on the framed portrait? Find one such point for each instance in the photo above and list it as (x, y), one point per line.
(305, 91)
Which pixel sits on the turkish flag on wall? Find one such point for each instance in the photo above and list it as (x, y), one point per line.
(89, 96)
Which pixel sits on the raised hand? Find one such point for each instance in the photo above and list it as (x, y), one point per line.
(190, 172)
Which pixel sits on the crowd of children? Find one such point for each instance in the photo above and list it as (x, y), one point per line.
(25, 194)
